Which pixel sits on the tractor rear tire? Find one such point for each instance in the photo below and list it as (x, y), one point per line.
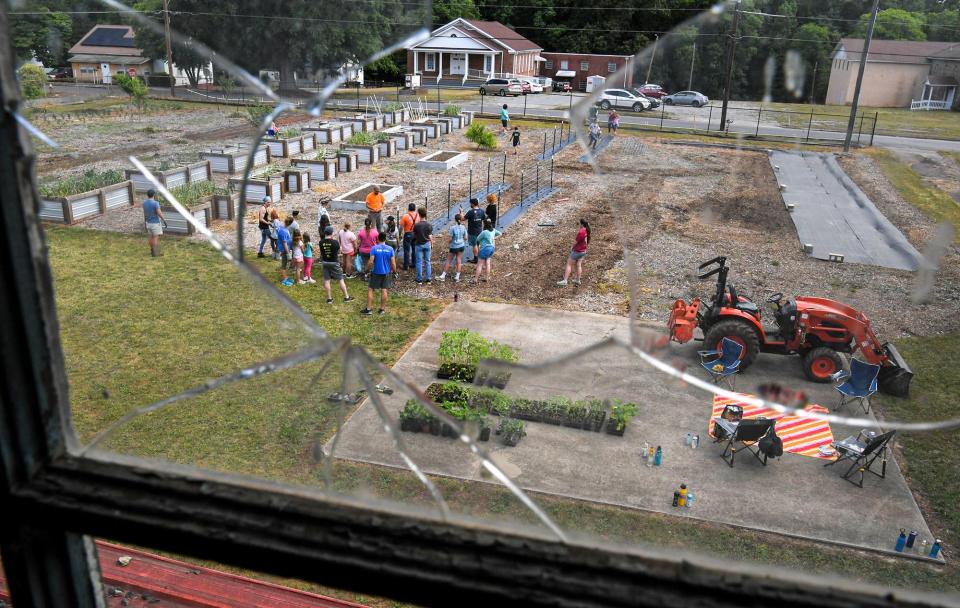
(738, 331)
(821, 363)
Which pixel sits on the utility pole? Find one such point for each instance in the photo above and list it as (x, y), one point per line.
(863, 65)
(166, 30)
(813, 85)
(731, 49)
(653, 56)
(693, 57)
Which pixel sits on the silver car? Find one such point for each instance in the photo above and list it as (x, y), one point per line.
(686, 98)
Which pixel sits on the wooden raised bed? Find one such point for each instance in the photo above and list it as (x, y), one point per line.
(233, 160)
(346, 161)
(225, 206)
(441, 160)
(403, 139)
(365, 154)
(356, 199)
(395, 117)
(171, 178)
(387, 148)
(177, 224)
(290, 146)
(76, 207)
(320, 170)
(446, 124)
(331, 132)
(467, 117)
(430, 129)
(259, 187)
(296, 179)
(361, 124)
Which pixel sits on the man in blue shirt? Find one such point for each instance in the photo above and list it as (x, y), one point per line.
(382, 266)
(285, 244)
(152, 217)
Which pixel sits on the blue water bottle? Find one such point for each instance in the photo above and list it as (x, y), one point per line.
(901, 541)
(658, 456)
(911, 539)
(935, 549)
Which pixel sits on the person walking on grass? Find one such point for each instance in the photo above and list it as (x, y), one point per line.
(515, 138)
(474, 218)
(307, 259)
(423, 246)
(285, 244)
(458, 242)
(263, 223)
(487, 246)
(504, 119)
(366, 239)
(348, 241)
(577, 254)
(329, 249)
(375, 202)
(382, 267)
(153, 219)
(407, 222)
(297, 255)
(275, 225)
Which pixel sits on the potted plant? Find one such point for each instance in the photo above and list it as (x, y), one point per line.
(576, 413)
(462, 350)
(555, 410)
(414, 417)
(596, 413)
(620, 415)
(511, 431)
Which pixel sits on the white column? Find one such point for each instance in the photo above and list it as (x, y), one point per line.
(416, 54)
(439, 65)
(466, 67)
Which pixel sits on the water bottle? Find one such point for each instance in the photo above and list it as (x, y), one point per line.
(901, 541)
(696, 441)
(643, 454)
(650, 457)
(676, 498)
(935, 549)
(689, 500)
(658, 456)
(683, 495)
(911, 539)
(689, 439)
(923, 547)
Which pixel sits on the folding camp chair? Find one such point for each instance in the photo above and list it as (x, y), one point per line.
(859, 383)
(722, 363)
(747, 433)
(863, 452)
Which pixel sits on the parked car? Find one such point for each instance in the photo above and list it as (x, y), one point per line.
(535, 87)
(60, 74)
(622, 99)
(654, 102)
(562, 86)
(525, 87)
(654, 91)
(686, 98)
(502, 87)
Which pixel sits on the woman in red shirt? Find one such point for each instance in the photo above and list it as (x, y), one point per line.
(578, 253)
(366, 239)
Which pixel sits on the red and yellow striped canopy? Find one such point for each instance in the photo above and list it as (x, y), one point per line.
(800, 434)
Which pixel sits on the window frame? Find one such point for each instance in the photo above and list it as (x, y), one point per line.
(564, 64)
(584, 66)
(55, 499)
(548, 64)
(429, 62)
(611, 67)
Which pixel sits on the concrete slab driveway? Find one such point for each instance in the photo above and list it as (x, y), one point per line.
(794, 495)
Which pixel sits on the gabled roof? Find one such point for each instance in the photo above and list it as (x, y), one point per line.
(504, 35)
(951, 54)
(107, 39)
(892, 51)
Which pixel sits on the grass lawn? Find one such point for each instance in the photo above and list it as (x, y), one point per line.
(933, 202)
(890, 121)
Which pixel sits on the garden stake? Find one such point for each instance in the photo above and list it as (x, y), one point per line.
(470, 186)
(551, 174)
(544, 144)
(521, 188)
(448, 201)
(489, 162)
(553, 147)
(503, 177)
(537, 191)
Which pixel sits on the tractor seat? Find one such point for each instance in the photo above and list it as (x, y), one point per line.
(744, 305)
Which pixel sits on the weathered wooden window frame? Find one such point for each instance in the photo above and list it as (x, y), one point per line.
(53, 501)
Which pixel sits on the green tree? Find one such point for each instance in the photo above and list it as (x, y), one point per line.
(944, 26)
(136, 88)
(32, 81)
(185, 54)
(816, 51)
(892, 24)
(44, 36)
(445, 11)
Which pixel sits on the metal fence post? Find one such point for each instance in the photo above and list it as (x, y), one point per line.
(544, 144)
(553, 148)
(426, 205)
(537, 191)
(809, 125)
(759, 114)
(663, 108)
(489, 162)
(873, 131)
(710, 117)
(358, 96)
(521, 188)
(448, 200)
(860, 129)
(503, 177)
(551, 174)
(470, 186)
(524, 105)
(482, 97)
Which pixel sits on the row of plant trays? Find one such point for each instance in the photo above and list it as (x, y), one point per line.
(468, 373)
(435, 426)
(72, 209)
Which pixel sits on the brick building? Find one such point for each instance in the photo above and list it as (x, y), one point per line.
(577, 66)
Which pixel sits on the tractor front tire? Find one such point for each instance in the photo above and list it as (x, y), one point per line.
(738, 331)
(821, 363)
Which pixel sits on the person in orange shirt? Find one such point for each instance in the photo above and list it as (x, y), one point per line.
(407, 222)
(375, 202)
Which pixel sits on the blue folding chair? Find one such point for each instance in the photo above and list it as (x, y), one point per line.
(858, 384)
(728, 356)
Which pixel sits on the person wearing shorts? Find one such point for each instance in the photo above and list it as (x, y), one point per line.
(474, 219)
(382, 266)
(348, 241)
(577, 254)
(153, 218)
(285, 243)
(329, 254)
(504, 119)
(485, 243)
(458, 242)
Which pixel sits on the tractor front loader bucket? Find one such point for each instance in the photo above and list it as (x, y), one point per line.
(895, 375)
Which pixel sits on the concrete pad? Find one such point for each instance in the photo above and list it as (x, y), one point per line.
(833, 215)
(794, 495)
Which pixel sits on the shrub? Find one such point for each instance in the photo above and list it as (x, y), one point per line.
(452, 110)
(32, 81)
(361, 138)
(256, 114)
(77, 184)
(136, 88)
(482, 136)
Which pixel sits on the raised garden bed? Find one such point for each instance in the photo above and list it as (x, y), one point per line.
(356, 199)
(258, 187)
(347, 161)
(331, 132)
(172, 178)
(387, 146)
(417, 134)
(320, 170)
(225, 206)
(197, 198)
(71, 208)
(296, 179)
(395, 117)
(233, 159)
(366, 154)
(362, 124)
(285, 147)
(446, 124)
(431, 128)
(443, 160)
(402, 139)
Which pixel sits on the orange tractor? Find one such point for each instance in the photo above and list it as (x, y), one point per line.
(816, 329)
